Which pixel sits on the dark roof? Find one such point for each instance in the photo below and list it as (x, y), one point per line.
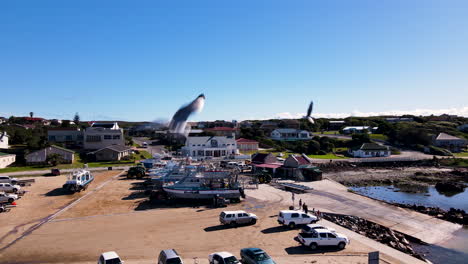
(64, 128)
(5, 154)
(117, 148)
(373, 146)
(302, 160)
(104, 125)
(259, 157)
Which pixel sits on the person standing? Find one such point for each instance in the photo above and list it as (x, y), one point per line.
(306, 210)
(304, 207)
(300, 203)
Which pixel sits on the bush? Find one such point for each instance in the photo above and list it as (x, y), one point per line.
(395, 151)
(321, 152)
(439, 151)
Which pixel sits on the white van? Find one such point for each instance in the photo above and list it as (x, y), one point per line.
(292, 218)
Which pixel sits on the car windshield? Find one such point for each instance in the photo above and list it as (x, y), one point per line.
(231, 260)
(113, 261)
(261, 256)
(174, 261)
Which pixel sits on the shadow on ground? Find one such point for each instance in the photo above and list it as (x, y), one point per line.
(135, 195)
(58, 192)
(301, 250)
(275, 229)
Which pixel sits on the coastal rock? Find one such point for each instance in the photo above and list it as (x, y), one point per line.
(450, 187)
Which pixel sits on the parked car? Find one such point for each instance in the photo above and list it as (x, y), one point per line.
(323, 237)
(144, 145)
(237, 217)
(109, 258)
(55, 172)
(7, 187)
(255, 256)
(222, 258)
(8, 179)
(292, 218)
(312, 227)
(169, 256)
(7, 198)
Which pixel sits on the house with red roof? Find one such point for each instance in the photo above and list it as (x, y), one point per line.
(300, 167)
(294, 161)
(224, 131)
(246, 145)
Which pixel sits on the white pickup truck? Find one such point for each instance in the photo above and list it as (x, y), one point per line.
(7, 198)
(8, 179)
(322, 237)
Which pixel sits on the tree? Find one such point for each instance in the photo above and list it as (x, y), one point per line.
(31, 114)
(76, 119)
(313, 147)
(54, 159)
(65, 123)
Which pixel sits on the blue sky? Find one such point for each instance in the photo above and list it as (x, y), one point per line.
(141, 60)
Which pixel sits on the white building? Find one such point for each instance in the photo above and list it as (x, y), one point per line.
(65, 135)
(290, 134)
(101, 135)
(357, 129)
(6, 159)
(3, 140)
(369, 150)
(40, 156)
(210, 147)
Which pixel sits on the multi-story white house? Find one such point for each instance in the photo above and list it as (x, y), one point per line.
(65, 135)
(290, 134)
(3, 140)
(210, 147)
(101, 135)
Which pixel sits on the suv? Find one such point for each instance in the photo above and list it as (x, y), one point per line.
(7, 198)
(169, 256)
(292, 218)
(322, 237)
(109, 258)
(8, 179)
(237, 217)
(7, 187)
(222, 258)
(255, 256)
(312, 227)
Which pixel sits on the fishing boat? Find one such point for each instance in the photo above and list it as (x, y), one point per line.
(205, 185)
(78, 180)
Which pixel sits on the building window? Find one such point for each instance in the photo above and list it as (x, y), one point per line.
(51, 138)
(116, 137)
(107, 136)
(93, 138)
(68, 138)
(214, 143)
(200, 153)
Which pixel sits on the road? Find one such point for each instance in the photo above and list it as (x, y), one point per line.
(41, 172)
(153, 149)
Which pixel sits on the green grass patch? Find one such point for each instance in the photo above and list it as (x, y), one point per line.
(330, 133)
(461, 154)
(378, 136)
(326, 156)
(145, 154)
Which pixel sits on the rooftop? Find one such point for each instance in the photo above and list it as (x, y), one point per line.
(443, 136)
(5, 154)
(245, 140)
(118, 148)
(222, 129)
(372, 146)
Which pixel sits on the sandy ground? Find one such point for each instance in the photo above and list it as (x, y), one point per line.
(115, 218)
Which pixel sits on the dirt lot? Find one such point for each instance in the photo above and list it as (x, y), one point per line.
(115, 218)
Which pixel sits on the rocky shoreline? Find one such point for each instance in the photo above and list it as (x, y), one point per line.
(382, 234)
(453, 215)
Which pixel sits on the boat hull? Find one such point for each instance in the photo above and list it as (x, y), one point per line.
(202, 194)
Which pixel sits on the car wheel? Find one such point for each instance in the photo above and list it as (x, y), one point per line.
(313, 246)
(11, 200)
(341, 245)
(233, 223)
(292, 225)
(253, 222)
(15, 190)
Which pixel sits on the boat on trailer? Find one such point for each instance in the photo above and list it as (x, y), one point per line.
(205, 185)
(78, 180)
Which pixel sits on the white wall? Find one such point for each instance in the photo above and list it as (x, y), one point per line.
(7, 160)
(4, 142)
